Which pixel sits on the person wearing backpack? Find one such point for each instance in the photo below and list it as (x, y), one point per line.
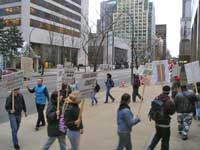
(96, 90)
(109, 85)
(136, 85)
(161, 110)
(53, 129)
(125, 122)
(185, 106)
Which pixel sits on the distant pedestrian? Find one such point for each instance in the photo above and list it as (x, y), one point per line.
(161, 109)
(109, 85)
(53, 123)
(72, 121)
(94, 92)
(185, 107)
(136, 85)
(41, 94)
(125, 122)
(15, 115)
(65, 90)
(175, 86)
(74, 85)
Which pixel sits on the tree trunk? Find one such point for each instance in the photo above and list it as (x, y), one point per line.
(13, 62)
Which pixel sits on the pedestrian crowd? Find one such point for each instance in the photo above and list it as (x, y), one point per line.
(66, 120)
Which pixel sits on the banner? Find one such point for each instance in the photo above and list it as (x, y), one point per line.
(192, 72)
(13, 81)
(160, 72)
(86, 84)
(27, 66)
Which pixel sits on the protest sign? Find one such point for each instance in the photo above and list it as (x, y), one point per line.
(86, 84)
(160, 72)
(60, 74)
(140, 70)
(147, 69)
(192, 72)
(176, 71)
(27, 66)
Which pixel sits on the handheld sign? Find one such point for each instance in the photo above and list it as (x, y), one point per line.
(60, 73)
(141, 70)
(27, 66)
(86, 84)
(13, 81)
(176, 71)
(160, 72)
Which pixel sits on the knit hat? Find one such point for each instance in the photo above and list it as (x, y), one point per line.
(166, 89)
(176, 78)
(72, 98)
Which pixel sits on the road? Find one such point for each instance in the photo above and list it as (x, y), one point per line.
(50, 82)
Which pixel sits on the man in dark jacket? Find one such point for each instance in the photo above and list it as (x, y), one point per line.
(41, 93)
(73, 121)
(163, 124)
(136, 86)
(109, 85)
(15, 115)
(185, 106)
(53, 129)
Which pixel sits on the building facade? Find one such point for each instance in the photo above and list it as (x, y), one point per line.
(161, 32)
(195, 25)
(151, 30)
(53, 28)
(131, 21)
(159, 42)
(185, 42)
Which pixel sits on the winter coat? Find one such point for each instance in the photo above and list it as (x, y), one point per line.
(169, 109)
(71, 115)
(125, 119)
(109, 83)
(53, 122)
(185, 102)
(19, 104)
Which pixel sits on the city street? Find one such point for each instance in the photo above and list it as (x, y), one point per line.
(50, 82)
(100, 128)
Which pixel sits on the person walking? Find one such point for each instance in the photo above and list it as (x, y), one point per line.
(109, 85)
(125, 122)
(136, 85)
(65, 90)
(74, 85)
(95, 91)
(73, 121)
(185, 106)
(162, 121)
(53, 123)
(16, 114)
(175, 86)
(41, 94)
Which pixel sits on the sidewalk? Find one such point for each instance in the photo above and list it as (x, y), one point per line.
(100, 129)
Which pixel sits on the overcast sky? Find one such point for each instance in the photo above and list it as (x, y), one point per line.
(167, 12)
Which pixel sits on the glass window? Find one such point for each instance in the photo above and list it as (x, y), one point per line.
(10, 11)
(12, 22)
(8, 1)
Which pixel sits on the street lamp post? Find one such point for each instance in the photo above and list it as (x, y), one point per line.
(29, 41)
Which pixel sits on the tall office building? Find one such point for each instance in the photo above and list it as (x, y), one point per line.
(161, 31)
(106, 15)
(52, 27)
(151, 30)
(131, 18)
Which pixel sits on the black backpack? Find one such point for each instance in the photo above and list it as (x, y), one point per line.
(156, 112)
(97, 88)
(112, 83)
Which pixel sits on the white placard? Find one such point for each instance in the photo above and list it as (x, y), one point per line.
(60, 74)
(147, 69)
(176, 71)
(140, 70)
(13, 81)
(192, 72)
(161, 73)
(27, 66)
(86, 84)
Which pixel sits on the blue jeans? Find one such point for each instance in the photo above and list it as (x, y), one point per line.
(51, 140)
(109, 95)
(74, 138)
(93, 98)
(15, 121)
(124, 141)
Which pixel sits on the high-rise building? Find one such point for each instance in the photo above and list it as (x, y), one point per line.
(161, 31)
(185, 46)
(106, 15)
(52, 27)
(131, 20)
(151, 30)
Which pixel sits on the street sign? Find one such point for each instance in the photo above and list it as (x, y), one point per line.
(13, 81)
(161, 73)
(192, 72)
(86, 84)
(60, 74)
(27, 66)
